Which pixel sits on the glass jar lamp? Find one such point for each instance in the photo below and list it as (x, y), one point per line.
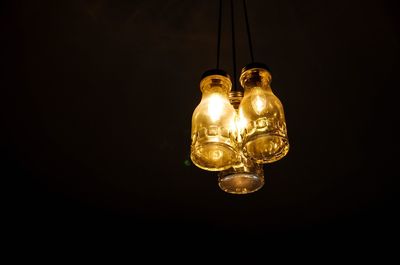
(264, 135)
(214, 135)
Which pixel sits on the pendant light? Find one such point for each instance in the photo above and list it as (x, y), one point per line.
(214, 134)
(236, 132)
(264, 137)
(247, 176)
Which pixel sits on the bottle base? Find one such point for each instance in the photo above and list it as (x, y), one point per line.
(240, 183)
(214, 156)
(266, 148)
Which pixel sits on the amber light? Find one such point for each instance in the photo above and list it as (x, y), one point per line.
(237, 132)
(214, 145)
(264, 136)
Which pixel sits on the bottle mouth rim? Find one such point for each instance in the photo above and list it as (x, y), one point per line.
(215, 72)
(227, 182)
(218, 78)
(255, 65)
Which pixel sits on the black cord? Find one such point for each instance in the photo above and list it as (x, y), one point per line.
(219, 32)
(233, 46)
(248, 31)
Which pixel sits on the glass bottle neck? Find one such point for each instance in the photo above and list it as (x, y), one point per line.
(235, 97)
(215, 84)
(263, 88)
(214, 90)
(254, 78)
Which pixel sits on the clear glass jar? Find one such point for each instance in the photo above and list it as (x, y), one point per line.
(247, 176)
(214, 133)
(264, 136)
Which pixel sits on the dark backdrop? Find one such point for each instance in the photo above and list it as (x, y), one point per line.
(96, 105)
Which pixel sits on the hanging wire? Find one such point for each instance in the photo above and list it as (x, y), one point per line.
(219, 32)
(233, 46)
(248, 31)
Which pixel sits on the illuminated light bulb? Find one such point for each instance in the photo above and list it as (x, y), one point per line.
(215, 106)
(259, 103)
(247, 176)
(264, 136)
(214, 134)
(241, 122)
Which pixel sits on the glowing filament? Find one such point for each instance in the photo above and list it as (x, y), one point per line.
(259, 103)
(241, 121)
(215, 107)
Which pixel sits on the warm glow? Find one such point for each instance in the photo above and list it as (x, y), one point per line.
(241, 122)
(233, 125)
(216, 155)
(259, 103)
(236, 131)
(214, 145)
(215, 106)
(264, 136)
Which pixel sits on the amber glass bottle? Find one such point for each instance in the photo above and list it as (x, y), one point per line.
(264, 136)
(214, 133)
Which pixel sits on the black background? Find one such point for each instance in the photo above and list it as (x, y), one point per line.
(96, 106)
